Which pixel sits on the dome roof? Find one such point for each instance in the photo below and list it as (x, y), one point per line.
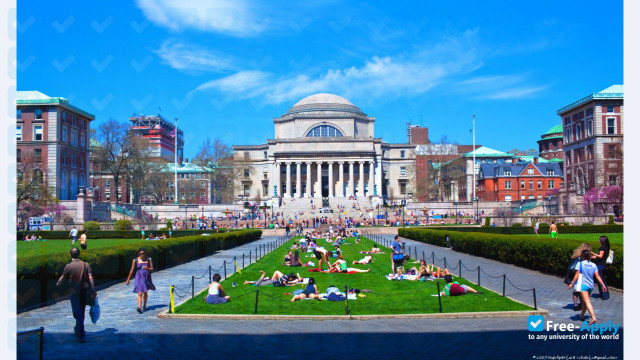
(324, 102)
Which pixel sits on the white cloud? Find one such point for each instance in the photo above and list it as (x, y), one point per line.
(193, 58)
(236, 18)
(244, 82)
(516, 92)
(498, 87)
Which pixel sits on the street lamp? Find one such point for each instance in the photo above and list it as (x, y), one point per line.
(265, 214)
(404, 203)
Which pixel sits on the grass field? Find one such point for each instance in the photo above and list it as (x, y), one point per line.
(35, 248)
(614, 238)
(388, 297)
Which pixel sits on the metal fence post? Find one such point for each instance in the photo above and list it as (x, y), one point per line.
(422, 254)
(41, 341)
(415, 252)
(433, 257)
(478, 275)
(460, 266)
(439, 298)
(535, 303)
(249, 257)
(243, 260)
(504, 283)
(445, 262)
(346, 300)
(224, 263)
(210, 279)
(193, 282)
(257, 293)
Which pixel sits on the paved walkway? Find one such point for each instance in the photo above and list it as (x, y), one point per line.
(124, 333)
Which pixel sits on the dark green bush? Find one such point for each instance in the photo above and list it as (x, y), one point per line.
(544, 228)
(516, 225)
(110, 234)
(546, 255)
(587, 224)
(91, 225)
(108, 264)
(487, 221)
(611, 220)
(169, 224)
(122, 224)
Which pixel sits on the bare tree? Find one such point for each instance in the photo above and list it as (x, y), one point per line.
(113, 152)
(158, 186)
(142, 167)
(217, 159)
(32, 191)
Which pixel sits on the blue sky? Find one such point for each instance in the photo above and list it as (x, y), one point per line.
(226, 70)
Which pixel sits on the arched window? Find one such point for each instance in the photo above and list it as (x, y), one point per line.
(38, 176)
(324, 131)
(81, 180)
(73, 186)
(63, 185)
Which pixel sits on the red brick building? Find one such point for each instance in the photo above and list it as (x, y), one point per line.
(517, 181)
(54, 135)
(593, 141)
(550, 144)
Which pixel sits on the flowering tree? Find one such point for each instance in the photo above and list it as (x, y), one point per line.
(600, 199)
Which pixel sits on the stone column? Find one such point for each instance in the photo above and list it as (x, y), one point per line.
(341, 179)
(298, 180)
(279, 179)
(350, 187)
(308, 189)
(319, 180)
(330, 179)
(288, 193)
(371, 178)
(361, 180)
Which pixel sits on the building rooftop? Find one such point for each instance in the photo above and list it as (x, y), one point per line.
(324, 102)
(491, 170)
(186, 167)
(554, 130)
(484, 151)
(37, 98)
(612, 92)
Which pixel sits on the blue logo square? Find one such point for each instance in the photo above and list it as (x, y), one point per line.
(536, 323)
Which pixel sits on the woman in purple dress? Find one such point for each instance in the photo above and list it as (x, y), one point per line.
(142, 266)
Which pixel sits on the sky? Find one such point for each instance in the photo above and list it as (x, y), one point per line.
(226, 69)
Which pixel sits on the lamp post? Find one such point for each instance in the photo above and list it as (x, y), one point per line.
(265, 214)
(455, 202)
(378, 217)
(404, 203)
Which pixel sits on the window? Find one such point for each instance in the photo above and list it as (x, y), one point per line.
(613, 180)
(38, 114)
(74, 120)
(507, 184)
(202, 184)
(567, 120)
(403, 188)
(507, 198)
(107, 184)
(522, 184)
(82, 143)
(18, 156)
(324, 131)
(37, 155)
(107, 196)
(64, 117)
(171, 185)
(37, 132)
(589, 112)
(74, 138)
(529, 171)
(19, 114)
(265, 155)
(38, 176)
(246, 155)
(74, 160)
(578, 131)
(530, 184)
(521, 197)
(19, 132)
(403, 171)
(531, 197)
(64, 134)
(64, 158)
(611, 125)
(539, 184)
(402, 153)
(580, 115)
(81, 162)
(551, 184)
(246, 172)
(193, 195)
(201, 196)
(507, 172)
(567, 135)
(612, 151)
(589, 127)
(610, 109)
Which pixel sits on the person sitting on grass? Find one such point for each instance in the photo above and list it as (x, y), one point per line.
(367, 259)
(310, 291)
(454, 289)
(374, 250)
(277, 279)
(427, 270)
(341, 266)
(287, 259)
(216, 292)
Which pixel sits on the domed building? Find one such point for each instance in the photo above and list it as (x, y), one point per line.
(324, 147)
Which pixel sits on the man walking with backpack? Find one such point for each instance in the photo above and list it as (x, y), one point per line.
(74, 235)
(83, 291)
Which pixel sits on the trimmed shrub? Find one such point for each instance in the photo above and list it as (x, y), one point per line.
(109, 234)
(544, 228)
(169, 224)
(587, 224)
(611, 220)
(122, 224)
(545, 255)
(91, 225)
(108, 264)
(516, 225)
(487, 221)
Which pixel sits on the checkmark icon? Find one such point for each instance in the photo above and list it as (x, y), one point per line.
(535, 323)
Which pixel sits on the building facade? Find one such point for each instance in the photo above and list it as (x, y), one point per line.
(550, 144)
(161, 135)
(593, 129)
(518, 181)
(54, 136)
(324, 147)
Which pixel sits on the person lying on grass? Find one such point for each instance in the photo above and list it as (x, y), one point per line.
(374, 250)
(277, 279)
(295, 259)
(287, 259)
(367, 259)
(310, 291)
(454, 289)
(428, 270)
(322, 254)
(341, 266)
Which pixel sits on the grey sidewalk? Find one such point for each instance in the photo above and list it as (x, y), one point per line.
(123, 333)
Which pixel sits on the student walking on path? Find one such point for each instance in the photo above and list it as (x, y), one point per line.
(583, 281)
(78, 273)
(142, 266)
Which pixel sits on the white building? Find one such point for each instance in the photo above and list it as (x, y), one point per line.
(324, 147)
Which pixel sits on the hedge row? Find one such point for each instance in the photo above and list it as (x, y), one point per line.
(544, 229)
(545, 255)
(37, 275)
(112, 234)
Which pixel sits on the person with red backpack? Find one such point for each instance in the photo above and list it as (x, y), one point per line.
(453, 288)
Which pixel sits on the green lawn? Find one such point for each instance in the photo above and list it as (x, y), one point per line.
(388, 297)
(614, 238)
(49, 247)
